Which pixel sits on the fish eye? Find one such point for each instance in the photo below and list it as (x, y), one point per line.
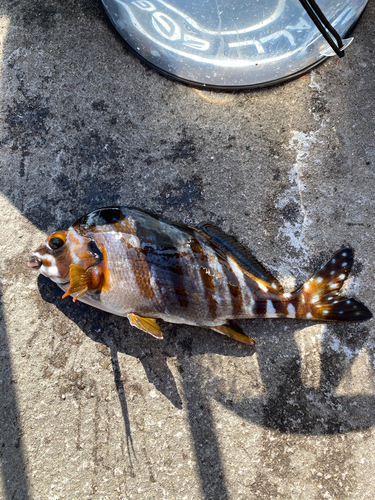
(56, 242)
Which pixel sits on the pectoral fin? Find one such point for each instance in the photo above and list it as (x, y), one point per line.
(148, 325)
(82, 280)
(234, 332)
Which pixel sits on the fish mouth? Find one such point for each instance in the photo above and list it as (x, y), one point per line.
(34, 262)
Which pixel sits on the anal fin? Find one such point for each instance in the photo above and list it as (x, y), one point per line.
(234, 332)
(147, 325)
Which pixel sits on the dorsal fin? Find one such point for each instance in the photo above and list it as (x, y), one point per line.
(239, 253)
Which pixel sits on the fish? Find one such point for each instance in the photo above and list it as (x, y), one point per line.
(137, 264)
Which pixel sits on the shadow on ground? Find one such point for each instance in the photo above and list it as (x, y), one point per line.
(13, 469)
(288, 406)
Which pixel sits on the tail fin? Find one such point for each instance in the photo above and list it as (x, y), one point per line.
(319, 297)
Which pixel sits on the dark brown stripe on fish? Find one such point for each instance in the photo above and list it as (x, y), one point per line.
(233, 286)
(281, 307)
(141, 271)
(165, 265)
(207, 280)
(260, 306)
(301, 308)
(164, 262)
(177, 276)
(237, 300)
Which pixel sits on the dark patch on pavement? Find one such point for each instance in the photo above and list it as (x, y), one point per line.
(26, 120)
(318, 104)
(99, 106)
(185, 194)
(357, 268)
(183, 149)
(93, 150)
(46, 14)
(291, 212)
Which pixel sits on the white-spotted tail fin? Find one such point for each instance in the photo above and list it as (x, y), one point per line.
(319, 297)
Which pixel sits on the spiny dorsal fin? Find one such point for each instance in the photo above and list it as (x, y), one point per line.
(239, 253)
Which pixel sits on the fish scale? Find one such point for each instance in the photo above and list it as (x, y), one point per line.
(134, 263)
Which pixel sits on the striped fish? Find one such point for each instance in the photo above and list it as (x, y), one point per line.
(134, 263)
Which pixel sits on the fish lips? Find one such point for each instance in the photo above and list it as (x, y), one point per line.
(34, 262)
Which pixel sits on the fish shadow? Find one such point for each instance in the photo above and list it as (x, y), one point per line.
(287, 405)
(116, 333)
(184, 345)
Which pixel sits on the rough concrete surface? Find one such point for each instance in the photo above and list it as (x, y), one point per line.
(91, 408)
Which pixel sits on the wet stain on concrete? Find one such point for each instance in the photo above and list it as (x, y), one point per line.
(291, 212)
(46, 15)
(26, 122)
(185, 194)
(99, 106)
(94, 150)
(182, 150)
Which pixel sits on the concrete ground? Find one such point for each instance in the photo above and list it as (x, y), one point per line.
(91, 408)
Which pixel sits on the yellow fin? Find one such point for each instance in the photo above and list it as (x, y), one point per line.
(148, 325)
(234, 332)
(80, 281)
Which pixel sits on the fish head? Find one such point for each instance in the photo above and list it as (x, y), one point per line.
(60, 250)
